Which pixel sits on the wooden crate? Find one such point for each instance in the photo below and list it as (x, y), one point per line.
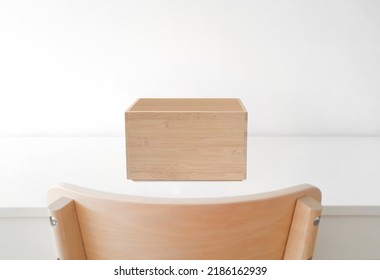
(186, 139)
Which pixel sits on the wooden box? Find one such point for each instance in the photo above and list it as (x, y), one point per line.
(186, 139)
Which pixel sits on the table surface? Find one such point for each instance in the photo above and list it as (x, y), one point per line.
(346, 169)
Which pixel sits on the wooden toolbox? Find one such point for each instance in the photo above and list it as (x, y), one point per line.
(186, 139)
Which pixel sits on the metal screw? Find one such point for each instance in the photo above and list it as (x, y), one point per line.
(317, 220)
(53, 221)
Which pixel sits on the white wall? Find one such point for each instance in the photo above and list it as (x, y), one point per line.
(301, 67)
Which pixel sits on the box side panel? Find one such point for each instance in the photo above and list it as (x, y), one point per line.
(186, 146)
(242, 106)
(134, 104)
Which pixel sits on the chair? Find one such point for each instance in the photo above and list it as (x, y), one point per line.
(89, 224)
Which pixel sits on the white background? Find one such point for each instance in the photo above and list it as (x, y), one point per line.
(302, 68)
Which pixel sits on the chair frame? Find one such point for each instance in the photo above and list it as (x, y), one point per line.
(66, 211)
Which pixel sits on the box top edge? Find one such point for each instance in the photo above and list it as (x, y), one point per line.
(187, 105)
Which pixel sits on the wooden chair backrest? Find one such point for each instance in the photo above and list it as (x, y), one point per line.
(89, 224)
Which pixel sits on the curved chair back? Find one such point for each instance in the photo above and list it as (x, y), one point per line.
(88, 224)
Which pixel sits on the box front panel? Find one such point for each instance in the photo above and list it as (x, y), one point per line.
(186, 146)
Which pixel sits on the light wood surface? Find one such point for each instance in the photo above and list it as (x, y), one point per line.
(187, 105)
(66, 231)
(186, 139)
(304, 228)
(131, 227)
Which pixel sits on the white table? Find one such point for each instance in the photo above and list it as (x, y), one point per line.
(347, 170)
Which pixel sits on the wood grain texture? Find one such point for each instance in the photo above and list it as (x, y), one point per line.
(67, 234)
(186, 139)
(303, 231)
(128, 227)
